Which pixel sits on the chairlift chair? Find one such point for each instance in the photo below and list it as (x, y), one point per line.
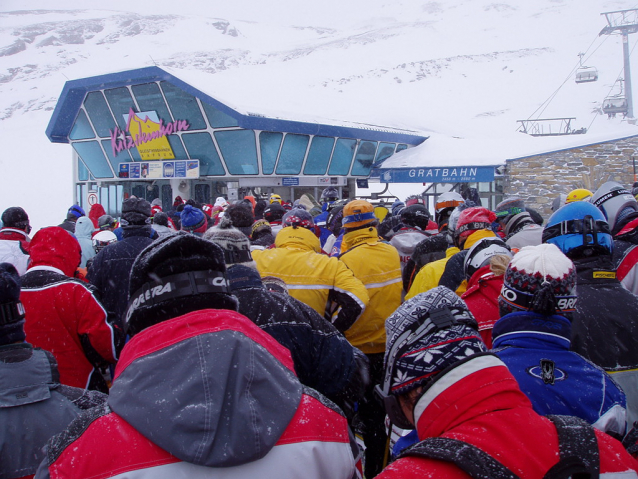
(615, 104)
(586, 74)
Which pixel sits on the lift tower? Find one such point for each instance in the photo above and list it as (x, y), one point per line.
(625, 22)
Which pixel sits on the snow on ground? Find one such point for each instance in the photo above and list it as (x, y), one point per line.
(461, 72)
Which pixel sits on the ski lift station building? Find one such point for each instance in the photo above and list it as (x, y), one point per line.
(150, 134)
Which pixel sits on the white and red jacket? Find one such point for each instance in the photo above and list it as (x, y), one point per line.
(62, 314)
(14, 248)
(207, 394)
(479, 402)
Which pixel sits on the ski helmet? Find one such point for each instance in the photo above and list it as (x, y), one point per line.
(579, 194)
(615, 201)
(416, 215)
(275, 198)
(102, 239)
(481, 252)
(578, 227)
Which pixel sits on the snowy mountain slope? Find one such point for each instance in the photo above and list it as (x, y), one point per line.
(460, 69)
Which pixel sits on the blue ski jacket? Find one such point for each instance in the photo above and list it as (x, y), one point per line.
(535, 348)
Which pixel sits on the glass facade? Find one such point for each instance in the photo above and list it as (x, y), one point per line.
(213, 136)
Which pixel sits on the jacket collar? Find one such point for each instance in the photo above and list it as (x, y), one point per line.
(529, 329)
(13, 234)
(471, 388)
(136, 230)
(364, 235)
(596, 269)
(297, 238)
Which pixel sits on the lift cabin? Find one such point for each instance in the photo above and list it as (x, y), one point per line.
(147, 133)
(586, 75)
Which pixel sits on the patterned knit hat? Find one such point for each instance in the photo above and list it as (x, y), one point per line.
(235, 244)
(11, 309)
(425, 335)
(193, 219)
(298, 217)
(540, 279)
(260, 226)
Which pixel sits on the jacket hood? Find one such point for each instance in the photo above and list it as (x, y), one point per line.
(300, 238)
(95, 212)
(29, 380)
(364, 235)
(209, 387)
(84, 228)
(532, 330)
(55, 247)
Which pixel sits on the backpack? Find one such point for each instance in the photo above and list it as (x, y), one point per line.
(578, 449)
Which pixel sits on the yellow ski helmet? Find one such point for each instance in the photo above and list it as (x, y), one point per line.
(579, 194)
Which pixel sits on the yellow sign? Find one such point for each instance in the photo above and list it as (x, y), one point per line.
(148, 134)
(605, 274)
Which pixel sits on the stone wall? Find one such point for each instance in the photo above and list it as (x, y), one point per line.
(539, 179)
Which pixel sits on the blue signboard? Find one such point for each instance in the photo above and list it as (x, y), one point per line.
(290, 182)
(456, 174)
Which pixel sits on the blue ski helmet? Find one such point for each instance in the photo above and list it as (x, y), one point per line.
(579, 226)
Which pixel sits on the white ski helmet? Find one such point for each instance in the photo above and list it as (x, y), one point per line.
(102, 239)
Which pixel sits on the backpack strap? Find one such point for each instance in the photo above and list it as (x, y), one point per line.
(578, 447)
(467, 457)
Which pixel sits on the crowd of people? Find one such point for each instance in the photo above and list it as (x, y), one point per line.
(322, 339)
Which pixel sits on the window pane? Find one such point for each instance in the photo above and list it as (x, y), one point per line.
(342, 156)
(200, 147)
(217, 118)
(292, 154)
(121, 103)
(269, 144)
(99, 114)
(81, 128)
(319, 156)
(386, 150)
(167, 198)
(178, 148)
(365, 157)
(184, 106)
(149, 98)
(83, 173)
(239, 151)
(112, 208)
(138, 190)
(122, 156)
(402, 147)
(94, 158)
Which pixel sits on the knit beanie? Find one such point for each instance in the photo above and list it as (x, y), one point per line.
(175, 275)
(508, 208)
(298, 218)
(540, 279)
(235, 244)
(74, 213)
(161, 219)
(427, 334)
(193, 219)
(15, 217)
(275, 284)
(473, 219)
(397, 206)
(481, 252)
(11, 309)
(260, 227)
(135, 211)
(358, 213)
(414, 200)
(242, 217)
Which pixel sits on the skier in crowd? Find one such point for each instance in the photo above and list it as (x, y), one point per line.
(468, 410)
(63, 314)
(604, 325)
(72, 216)
(14, 238)
(533, 338)
(34, 405)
